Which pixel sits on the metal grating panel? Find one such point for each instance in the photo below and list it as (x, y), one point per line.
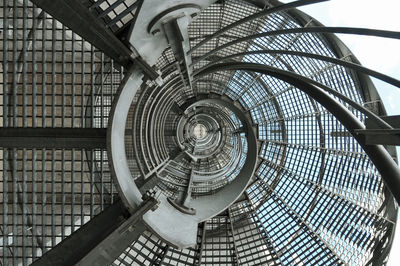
(316, 197)
(52, 78)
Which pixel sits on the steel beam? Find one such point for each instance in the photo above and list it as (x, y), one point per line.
(177, 34)
(380, 136)
(377, 134)
(77, 17)
(83, 138)
(393, 120)
(101, 240)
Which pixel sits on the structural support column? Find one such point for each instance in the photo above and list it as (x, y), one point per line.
(69, 138)
(101, 240)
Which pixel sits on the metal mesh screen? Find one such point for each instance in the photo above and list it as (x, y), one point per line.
(50, 78)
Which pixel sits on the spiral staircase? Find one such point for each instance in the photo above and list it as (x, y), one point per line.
(188, 132)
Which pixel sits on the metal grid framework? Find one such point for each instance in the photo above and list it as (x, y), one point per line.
(116, 15)
(315, 198)
(50, 78)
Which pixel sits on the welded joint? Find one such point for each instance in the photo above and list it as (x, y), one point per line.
(150, 203)
(150, 72)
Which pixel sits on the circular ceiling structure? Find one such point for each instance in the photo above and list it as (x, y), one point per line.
(240, 118)
(203, 132)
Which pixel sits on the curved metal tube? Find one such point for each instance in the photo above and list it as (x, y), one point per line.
(344, 98)
(255, 16)
(343, 30)
(379, 156)
(365, 70)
